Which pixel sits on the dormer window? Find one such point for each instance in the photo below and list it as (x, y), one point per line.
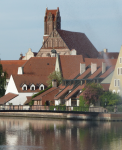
(41, 87)
(24, 87)
(32, 87)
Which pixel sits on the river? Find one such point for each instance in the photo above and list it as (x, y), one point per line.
(48, 134)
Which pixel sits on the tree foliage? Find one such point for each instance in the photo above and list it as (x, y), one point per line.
(55, 75)
(92, 92)
(2, 81)
(109, 99)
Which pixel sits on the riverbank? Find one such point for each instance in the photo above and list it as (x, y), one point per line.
(65, 115)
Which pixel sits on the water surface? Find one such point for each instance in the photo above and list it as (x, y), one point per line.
(48, 134)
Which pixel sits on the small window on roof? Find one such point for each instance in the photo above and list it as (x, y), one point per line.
(32, 87)
(41, 87)
(24, 87)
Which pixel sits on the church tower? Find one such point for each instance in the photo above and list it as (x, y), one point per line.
(52, 20)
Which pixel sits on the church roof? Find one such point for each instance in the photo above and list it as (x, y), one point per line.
(79, 42)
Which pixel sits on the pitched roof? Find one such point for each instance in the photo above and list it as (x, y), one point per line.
(66, 89)
(109, 55)
(80, 87)
(11, 66)
(7, 98)
(109, 71)
(28, 79)
(96, 73)
(88, 71)
(70, 64)
(48, 95)
(79, 42)
(40, 66)
(105, 86)
(109, 62)
(44, 93)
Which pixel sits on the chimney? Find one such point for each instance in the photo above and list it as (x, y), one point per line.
(105, 50)
(103, 67)
(54, 83)
(20, 70)
(93, 68)
(82, 68)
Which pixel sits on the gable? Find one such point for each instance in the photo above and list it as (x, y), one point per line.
(55, 41)
(11, 87)
(116, 82)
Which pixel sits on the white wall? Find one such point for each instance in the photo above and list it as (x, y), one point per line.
(20, 99)
(57, 102)
(78, 102)
(11, 87)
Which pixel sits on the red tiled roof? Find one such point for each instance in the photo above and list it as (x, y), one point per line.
(96, 73)
(109, 71)
(70, 64)
(63, 91)
(109, 62)
(105, 86)
(85, 73)
(79, 42)
(109, 55)
(28, 79)
(40, 66)
(49, 96)
(7, 98)
(61, 86)
(80, 87)
(11, 66)
(49, 91)
(74, 75)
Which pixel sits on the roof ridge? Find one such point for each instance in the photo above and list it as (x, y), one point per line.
(75, 86)
(62, 90)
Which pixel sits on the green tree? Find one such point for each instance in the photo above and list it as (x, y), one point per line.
(92, 92)
(110, 99)
(2, 81)
(55, 75)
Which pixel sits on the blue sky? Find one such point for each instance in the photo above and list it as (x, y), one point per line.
(22, 23)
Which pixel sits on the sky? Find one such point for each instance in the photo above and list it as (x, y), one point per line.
(22, 23)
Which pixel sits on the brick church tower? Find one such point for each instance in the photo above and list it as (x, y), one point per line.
(52, 20)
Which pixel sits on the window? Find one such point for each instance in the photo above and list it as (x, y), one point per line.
(118, 82)
(32, 87)
(114, 82)
(24, 87)
(41, 87)
(118, 70)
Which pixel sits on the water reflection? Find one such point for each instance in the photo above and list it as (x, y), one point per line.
(47, 134)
